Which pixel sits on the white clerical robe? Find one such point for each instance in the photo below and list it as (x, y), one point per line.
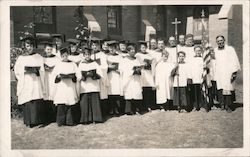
(76, 58)
(114, 77)
(89, 85)
(131, 84)
(49, 78)
(189, 53)
(172, 57)
(227, 63)
(184, 75)
(156, 55)
(29, 86)
(65, 91)
(104, 83)
(147, 76)
(164, 82)
(196, 70)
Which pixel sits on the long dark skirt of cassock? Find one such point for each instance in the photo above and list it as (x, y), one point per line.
(149, 97)
(225, 99)
(65, 114)
(33, 112)
(196, 94)
(49, 111)
(90, 108)
(104, 107)
(121, 108)
(182, 100)
(132, 106)
(214, 93)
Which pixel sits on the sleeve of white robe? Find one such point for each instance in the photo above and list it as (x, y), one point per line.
(19, 72)
(235, 60)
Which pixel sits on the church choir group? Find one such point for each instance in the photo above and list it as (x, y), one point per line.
(83, 82)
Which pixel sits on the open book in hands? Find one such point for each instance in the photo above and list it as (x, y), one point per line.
(137, 70)
(148, 63)
(48, 68)
(91, 74)
(32, 70)
(113, 67)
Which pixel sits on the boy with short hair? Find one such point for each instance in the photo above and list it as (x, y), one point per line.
(89, 74)
(131, 82)
(65, 91)
(50, 61)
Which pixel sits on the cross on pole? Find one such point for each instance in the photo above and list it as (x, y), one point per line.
(176, 22)
(202, 13)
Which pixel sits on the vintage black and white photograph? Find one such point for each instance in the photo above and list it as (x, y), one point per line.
(126, 76)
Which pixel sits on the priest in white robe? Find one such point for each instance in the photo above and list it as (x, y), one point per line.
(227, 66)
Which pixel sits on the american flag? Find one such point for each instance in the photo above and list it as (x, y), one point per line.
(206, 57)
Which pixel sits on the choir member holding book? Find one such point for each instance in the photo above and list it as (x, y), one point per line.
(65, 91)
(29, 71)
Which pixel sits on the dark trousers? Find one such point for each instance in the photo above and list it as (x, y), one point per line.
(149, 97)
(133, 106)
(226, 101)
(196, 95)
(166, 106)
(104, 107)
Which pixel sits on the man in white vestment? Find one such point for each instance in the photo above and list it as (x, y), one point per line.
(226, 68)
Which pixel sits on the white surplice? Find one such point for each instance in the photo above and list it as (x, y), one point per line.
(196, 70)
(49, 78)
(227, 63)
(29, 86)
(65, 91)
(164, 81)
(131, 84)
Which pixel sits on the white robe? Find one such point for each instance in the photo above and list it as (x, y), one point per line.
(184, 75)
(196, 70)
(89, 85)
(156, 55)
(227, 63)
(104, 83)
(49, 80)
(164, 82)
(189, 53)
(114, 78)
(29, 86)
(147, 75)
(65, 91)
(131, 84)
(76, 58)
(172, 54)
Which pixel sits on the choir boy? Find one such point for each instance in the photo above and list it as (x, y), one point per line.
(131, 82)
(147, 75)
(164, 82)
(74, 54)
(181, 75)
(29, 71)
(100, 57)
(65, 91)
(196, 70)
(89, 73)
(114, 79)
(50, 61)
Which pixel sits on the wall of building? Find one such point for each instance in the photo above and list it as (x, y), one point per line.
(20, 16)
(65, 21)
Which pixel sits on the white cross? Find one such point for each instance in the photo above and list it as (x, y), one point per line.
(202, 13)
(176, 22)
